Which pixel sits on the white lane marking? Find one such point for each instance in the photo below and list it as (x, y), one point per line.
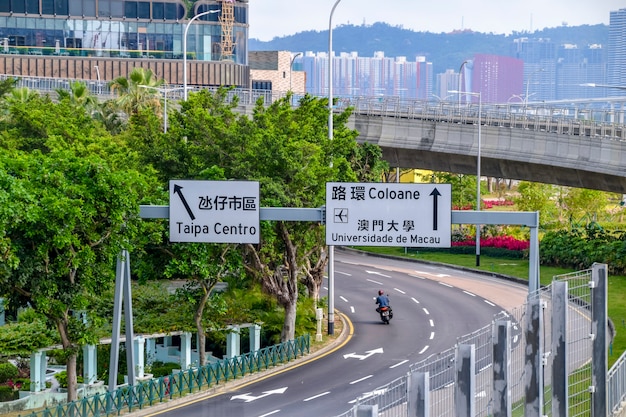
(399, 290)
(377, 273)
(430, 273)
(343, 298)
(398, 364)
(360, 380)
(416, 302)
(316, 396)
(490, 303)
(361, 357)
(342, 273)
(416, 276)
(432, 335)
(375, 282)
(423, 350)
(469, 293)
(270, 413)
(352, 309)
(445, 285)
(432, 323)
(326, 288)
(425, 311)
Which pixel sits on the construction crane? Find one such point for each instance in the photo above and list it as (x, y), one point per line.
(227, 21)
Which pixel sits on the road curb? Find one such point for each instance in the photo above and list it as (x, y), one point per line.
(345, 335)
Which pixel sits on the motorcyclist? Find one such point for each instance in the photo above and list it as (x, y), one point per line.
(382, 300)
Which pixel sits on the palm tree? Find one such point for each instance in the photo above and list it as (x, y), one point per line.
(135, 93)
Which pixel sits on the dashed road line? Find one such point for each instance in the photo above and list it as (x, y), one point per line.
(398, 364)
(316, 396)
(361, 380)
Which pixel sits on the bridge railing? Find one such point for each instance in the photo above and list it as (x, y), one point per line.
(542, 119)
(596, 123)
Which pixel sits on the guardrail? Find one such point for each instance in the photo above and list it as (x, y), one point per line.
(617, 385)
(567, 120)
(537, 359)
(185, 382)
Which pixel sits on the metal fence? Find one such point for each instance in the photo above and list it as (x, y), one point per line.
(158, 390)
(577, 121)
(544, 358)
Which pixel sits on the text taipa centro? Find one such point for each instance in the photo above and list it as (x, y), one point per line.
(217, 229)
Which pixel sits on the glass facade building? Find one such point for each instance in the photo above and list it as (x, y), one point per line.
(120, 28)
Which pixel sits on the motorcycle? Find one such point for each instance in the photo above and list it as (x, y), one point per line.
(386, 314)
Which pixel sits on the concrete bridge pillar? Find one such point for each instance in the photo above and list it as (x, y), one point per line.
(233, 342)
(90, 364)
(38, 365)
(139, 344)
(185, 351)
(255, 337)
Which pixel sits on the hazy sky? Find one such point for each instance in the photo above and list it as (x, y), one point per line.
(271, 18)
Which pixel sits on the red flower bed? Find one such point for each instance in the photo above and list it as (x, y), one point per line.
(501, 242)
(486, 204)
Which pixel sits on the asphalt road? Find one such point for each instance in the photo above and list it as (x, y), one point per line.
(432, 306)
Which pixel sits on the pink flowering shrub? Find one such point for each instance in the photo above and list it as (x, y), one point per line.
(500, 242)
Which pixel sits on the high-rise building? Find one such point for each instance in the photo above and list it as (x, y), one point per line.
(369, 76)
(579, 66)
(540, 59)
(498, 78)
(617, 51)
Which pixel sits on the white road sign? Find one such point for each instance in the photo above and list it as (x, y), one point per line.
(388, 214)
(214, 211)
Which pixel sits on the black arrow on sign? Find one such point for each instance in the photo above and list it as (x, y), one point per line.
(177, 190)
(435, 195)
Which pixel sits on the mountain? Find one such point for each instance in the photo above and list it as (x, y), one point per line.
(444, 50)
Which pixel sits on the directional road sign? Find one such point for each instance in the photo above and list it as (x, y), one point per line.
(214, 211)
(388, 214)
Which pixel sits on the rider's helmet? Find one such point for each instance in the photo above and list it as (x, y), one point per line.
(380, 292)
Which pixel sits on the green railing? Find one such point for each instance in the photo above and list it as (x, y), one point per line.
(157, 390)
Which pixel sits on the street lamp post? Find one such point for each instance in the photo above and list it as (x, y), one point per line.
(478, 201)
(530, 76)
(331, 248)
(185, 48)
(291, 67)
(163, 91)
(99, 89)
(460, 79)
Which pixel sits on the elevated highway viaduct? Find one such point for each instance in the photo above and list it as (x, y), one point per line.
(548, 148)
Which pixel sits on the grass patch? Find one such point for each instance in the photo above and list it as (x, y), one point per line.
(518, 268)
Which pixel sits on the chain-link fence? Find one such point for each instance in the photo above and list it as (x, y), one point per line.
(545, 357)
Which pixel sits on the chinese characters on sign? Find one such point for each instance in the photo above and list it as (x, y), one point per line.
(388, 214)
(214, 211)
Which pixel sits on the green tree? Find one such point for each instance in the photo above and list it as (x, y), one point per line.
(137, 92)
(67, 218)
(534, 196)
(581, 202)
(289, 152)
